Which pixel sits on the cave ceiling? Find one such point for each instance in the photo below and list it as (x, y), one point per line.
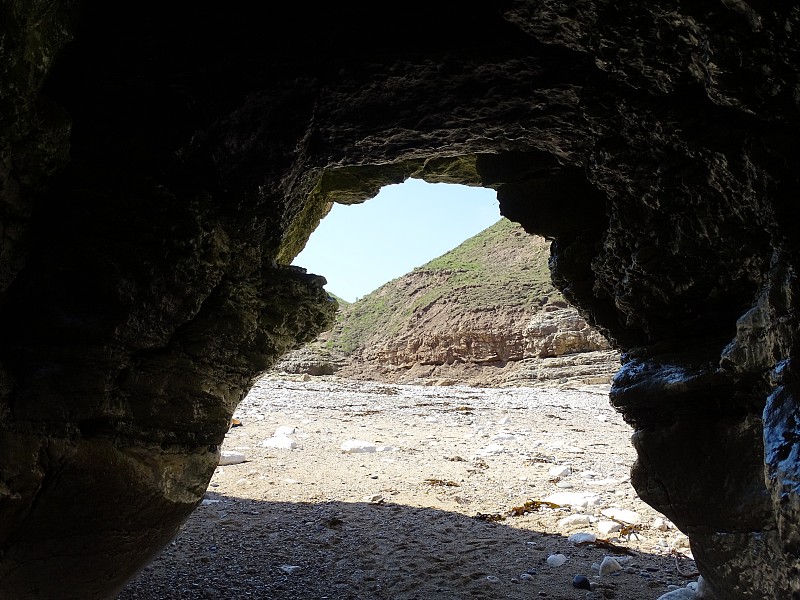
(162, 165)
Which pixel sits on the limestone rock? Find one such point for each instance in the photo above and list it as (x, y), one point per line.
(231, 457)
(559, 332)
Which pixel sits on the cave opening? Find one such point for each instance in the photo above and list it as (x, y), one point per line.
(434, 284)
(374, 480)
(359, 247)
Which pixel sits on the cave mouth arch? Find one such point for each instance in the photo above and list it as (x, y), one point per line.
(458, 314)
(154, 189)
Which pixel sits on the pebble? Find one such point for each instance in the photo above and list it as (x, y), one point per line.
(284, 431)
(608, 526)
(609, 565)
(559, 471)
(581, 582)
(660, 524)
(576, 520)
(492, 578)
(556, 560)
(574, 499)
(626, 516)
(679, 594)
(286, 443)
(358, 446)
(290, 569)
(230, 457)
(491, 449)
(582, 538)
(527, 576)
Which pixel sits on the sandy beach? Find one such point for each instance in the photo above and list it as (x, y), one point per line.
(381, 491)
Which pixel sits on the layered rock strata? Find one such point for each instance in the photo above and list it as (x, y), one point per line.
(495, 348)
(159, 163)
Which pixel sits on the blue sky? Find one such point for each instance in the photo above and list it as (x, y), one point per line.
(358, 248)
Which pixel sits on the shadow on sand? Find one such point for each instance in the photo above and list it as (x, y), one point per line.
(241, 548)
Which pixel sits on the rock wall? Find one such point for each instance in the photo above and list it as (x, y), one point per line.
(160, 163)
(493, 348)
(489, 338)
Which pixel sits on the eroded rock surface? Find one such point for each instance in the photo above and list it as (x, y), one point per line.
(160, 163)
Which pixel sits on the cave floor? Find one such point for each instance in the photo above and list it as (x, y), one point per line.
(426, 509)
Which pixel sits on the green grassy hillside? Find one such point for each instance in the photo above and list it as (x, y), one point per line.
(500, 269)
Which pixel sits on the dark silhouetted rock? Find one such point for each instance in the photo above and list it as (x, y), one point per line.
(162, 163)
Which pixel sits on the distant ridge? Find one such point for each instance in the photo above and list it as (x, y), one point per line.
(484, 313)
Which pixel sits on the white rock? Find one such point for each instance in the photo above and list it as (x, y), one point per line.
(679, 594)
(626, 516)
(231, 457)
(491, 449)
(582, 538)
(608, 526)
(556, 560)
(284, 431)
(503, 436)
(504, 421)
(290, 569)
(358, 446)
(560, 471)
(374, 499)
(609, 565)
(576, 520)
(660, 524)
(286, 443)
(574, 499)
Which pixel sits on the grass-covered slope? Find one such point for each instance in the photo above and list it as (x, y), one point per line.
(502, 270)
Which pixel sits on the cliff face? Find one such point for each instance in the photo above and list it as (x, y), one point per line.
(476, 314)
(493, 348)
(161, 163)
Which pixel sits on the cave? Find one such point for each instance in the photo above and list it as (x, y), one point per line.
(162, 165)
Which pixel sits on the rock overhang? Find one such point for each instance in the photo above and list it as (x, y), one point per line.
(157, 174)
